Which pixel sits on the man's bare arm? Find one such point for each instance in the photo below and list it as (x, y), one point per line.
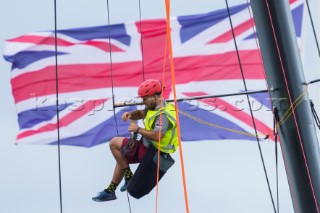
(134, 115)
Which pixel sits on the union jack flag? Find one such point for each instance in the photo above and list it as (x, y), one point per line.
(96, 62)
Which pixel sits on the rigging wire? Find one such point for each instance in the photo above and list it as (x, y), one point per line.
(277, 170)
(128, 198)
(276, 116)
(290, 99)
(275, 133)
(112, 85)
(185, 113)
(57, 100)
(130, 103)
(313, 28)
(283, 119)
(315, 115)
(258, 48)
(251, 113)
(57, 88)
(313, 81)
(111, 70)
(141, 41)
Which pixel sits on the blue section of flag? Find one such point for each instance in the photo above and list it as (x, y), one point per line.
(117, 32)
(25, 58)
(99, 134)
(85, 74)
(32, 117)
(194, 24)
(193, 130)
(252, 36)
(262, 98)
(297, 19)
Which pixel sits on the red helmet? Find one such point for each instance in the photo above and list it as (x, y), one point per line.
(149, 87)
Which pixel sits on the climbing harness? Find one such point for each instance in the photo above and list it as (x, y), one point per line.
(145, 177)
(130, 145)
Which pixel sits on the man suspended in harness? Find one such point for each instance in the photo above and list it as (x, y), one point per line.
(158, 116)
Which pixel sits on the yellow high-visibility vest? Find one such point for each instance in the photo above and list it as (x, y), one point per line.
(169, 141)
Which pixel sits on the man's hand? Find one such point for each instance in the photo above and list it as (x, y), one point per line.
(126, 116)
(133, 127)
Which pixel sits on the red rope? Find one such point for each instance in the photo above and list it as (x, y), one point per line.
(291, 104)
(264, 72)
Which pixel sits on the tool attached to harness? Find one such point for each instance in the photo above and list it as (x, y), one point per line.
(132, 140)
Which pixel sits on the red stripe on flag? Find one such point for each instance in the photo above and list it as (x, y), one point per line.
(227, 36)
(66, 120)
(41, 40)
(105, 46)
(94, 76)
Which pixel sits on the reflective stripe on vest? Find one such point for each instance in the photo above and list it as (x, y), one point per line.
(169, 141)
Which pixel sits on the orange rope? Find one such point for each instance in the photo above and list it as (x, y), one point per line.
(175, 102)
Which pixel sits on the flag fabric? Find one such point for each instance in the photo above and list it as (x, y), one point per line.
(97, 66)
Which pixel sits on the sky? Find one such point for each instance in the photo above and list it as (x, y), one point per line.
(222, 176)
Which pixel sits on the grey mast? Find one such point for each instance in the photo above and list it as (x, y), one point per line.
(299, 142)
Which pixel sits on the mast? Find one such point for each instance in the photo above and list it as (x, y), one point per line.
(286, 80)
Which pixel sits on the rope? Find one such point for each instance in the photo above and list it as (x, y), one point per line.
(112, 86)
(221, 127)
(57, 100)
(281, 121)
(289, 112)
(159, 133)
(258, 48)
(275, 132)
(278, 124)
(175, 102)
(128, 198)
(260, 136)
(277, 173)
(294, 115)
(313, 28)
(252, 117)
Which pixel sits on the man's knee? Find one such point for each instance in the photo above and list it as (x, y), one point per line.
(115, 143)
